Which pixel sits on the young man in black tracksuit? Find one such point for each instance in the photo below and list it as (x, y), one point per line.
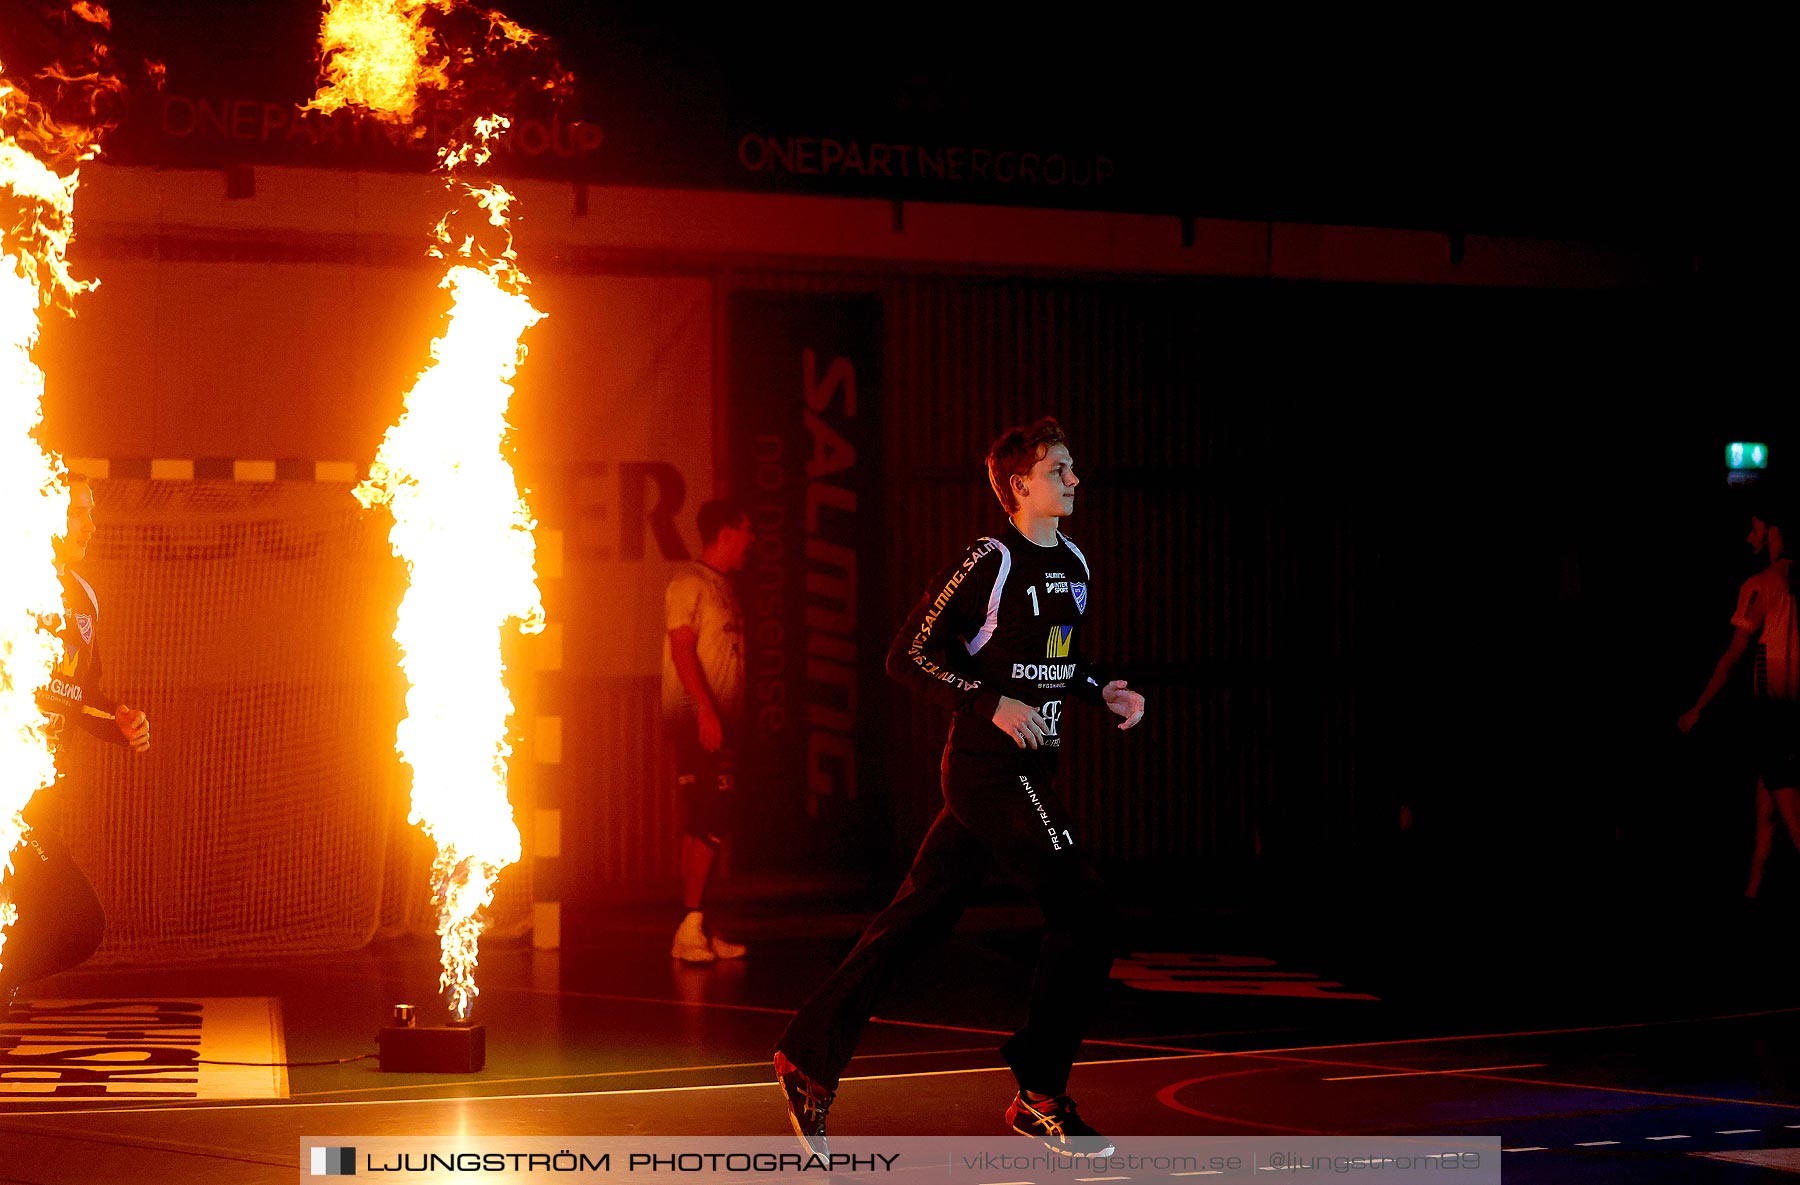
(998, 637)
(60, 921)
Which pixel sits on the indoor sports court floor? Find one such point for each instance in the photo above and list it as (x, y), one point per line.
(1660, 1050)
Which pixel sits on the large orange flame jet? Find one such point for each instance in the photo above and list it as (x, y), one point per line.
(48, 128)
(460, 522)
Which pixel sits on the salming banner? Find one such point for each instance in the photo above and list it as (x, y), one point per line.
(805, 414)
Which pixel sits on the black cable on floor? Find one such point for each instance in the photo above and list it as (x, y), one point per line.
(342, 1061)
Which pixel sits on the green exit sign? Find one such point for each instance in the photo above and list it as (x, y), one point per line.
(1744, 455)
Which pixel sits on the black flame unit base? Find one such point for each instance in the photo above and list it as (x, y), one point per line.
(433, 1049)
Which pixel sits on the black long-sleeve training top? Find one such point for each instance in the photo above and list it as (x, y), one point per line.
(1004, 619)
(76, 681)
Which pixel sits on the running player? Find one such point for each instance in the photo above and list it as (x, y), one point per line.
(999, 638)
(60, 921)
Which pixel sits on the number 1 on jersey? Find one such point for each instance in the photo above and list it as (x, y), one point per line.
(1032, 589)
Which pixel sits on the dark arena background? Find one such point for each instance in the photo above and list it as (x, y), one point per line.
(1400, 383)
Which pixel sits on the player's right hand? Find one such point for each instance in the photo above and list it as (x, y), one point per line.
(1688, 720)
(136, 727)
(712, 729)
(1020, 721)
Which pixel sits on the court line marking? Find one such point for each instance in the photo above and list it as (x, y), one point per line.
(764, 1063)
(1177, 1050)
(1735, 1131)
(1167, 1097)
(173, 1147)
(208, 1106)
(1275, 1053)
(768, 1011)
(1181, 1056)
(759, 1084)
(1213, 1033)
(1166, 1094)
(1423, 1073)
(1638, 1024)
(1117, 1044)
(1651, 1094)
(1183, 1052)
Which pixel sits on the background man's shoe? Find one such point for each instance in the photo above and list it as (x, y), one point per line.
(690, 945)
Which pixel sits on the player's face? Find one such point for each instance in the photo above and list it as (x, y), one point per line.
(1758, 539)
(734, 545)
(72, 547)
(1049, 489)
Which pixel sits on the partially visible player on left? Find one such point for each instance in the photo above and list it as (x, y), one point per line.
(60, 920)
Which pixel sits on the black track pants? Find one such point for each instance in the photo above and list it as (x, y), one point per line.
(1000, 813)
(60, 920)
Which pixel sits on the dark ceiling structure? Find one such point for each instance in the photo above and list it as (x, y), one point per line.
(1604, 133)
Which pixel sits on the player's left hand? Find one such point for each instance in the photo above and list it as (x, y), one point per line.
(136, 727)
(1123, 702)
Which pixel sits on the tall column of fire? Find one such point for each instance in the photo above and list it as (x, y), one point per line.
(49, 125)
(459, 520)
